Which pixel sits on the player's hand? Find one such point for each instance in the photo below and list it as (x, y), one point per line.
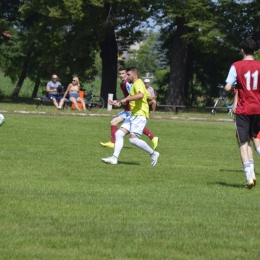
(118, 104)
(111, 102)
(234, 109)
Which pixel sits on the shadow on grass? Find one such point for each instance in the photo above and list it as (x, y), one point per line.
(128, 163)
(127, 147)
(222, 183)
(17, 100)
(225, 170)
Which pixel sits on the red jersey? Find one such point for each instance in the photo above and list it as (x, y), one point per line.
(248, 85)
(126, 87)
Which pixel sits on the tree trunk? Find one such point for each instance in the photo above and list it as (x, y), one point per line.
(109, 64)
(188, 85)
(178, 63)
(23, 73)
(36, 87)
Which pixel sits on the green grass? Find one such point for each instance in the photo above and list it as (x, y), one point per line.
(59, 201)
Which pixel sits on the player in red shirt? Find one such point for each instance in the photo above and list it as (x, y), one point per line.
(245, 74)
(125, 87)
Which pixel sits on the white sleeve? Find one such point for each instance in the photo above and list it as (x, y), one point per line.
(128, 87)
(232, 76)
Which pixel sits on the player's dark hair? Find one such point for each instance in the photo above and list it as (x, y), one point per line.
(122, 68)
(133, 70)
(248, 45)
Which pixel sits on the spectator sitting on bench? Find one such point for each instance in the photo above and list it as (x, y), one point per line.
(73, 90)
(53, 93)
(153, 102)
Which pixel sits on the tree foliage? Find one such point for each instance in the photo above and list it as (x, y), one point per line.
(199, 38)
(146, 59)
(202, 38)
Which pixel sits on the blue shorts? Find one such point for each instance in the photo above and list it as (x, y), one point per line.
(57, 97)
(75, 95)
(124, 114)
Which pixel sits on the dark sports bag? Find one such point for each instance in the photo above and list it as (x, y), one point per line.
(60, 89)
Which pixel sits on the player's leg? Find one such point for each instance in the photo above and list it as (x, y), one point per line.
(255, 132)
(251, 161)
(120, 134)
(153, 138)
(136, 129)
(113, 128)
(243, 127)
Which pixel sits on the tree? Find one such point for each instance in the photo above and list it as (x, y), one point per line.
(146, 59)
(187, 22)
(121, 20)
(196, 34)
(53, 43)
(57, 28)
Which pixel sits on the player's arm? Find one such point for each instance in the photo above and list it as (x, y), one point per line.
(229, 87)
(235, 101)
(135, 97)
(231, 79)
(114, 103)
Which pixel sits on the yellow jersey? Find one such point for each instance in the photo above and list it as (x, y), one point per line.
(139, 107)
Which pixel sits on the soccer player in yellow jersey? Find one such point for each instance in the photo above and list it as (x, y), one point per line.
(135, 123)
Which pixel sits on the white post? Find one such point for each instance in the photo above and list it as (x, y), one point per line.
(110, 97)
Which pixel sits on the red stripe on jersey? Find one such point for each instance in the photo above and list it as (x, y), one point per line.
(125, 92)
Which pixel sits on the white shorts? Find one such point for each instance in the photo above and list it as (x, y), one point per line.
(124, 114)
(135, 125)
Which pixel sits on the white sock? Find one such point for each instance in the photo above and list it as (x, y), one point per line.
(258, 150)
(119, 142)
(247, 170)
(252, 168)
(141, 144)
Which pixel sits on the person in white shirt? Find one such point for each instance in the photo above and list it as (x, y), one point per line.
(153, 102)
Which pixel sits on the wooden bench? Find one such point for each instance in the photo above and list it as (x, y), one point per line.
(173, 107)
(40, 101)
(67, 103)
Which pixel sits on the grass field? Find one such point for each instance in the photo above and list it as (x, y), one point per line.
(59, 201)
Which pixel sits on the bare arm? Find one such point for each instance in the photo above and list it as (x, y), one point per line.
(235, 102)
(67, 90)
(228, 87)
(50, 90)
